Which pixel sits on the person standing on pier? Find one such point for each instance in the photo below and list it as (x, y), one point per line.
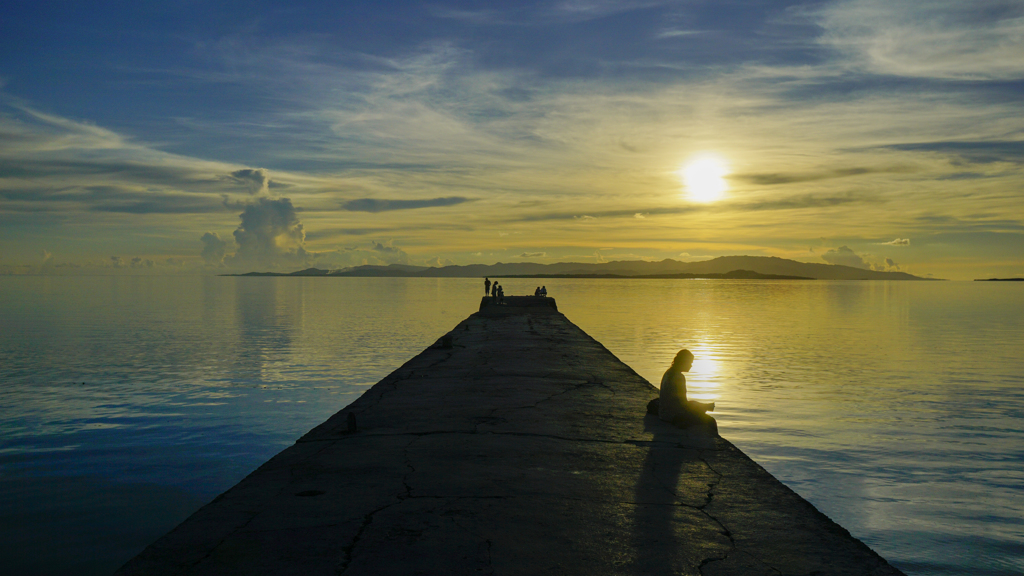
(487, 286)
(494, 289)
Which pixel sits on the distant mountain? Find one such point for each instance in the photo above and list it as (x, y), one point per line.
(733, 275)
(736, 266)
(393, 270)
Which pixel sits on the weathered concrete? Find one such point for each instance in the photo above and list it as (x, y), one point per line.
(515, 445)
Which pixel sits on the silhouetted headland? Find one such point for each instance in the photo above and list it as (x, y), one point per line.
(728, 267)
(516, 444)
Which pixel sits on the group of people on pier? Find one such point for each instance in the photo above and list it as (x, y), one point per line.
(498, 293)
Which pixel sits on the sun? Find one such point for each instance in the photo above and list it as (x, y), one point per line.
(704, 178)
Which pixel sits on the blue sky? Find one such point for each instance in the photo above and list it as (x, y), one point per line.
(199, 137)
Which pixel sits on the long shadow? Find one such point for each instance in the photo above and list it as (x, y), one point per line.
(664, 515)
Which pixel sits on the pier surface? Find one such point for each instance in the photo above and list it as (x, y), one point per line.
(515, 445)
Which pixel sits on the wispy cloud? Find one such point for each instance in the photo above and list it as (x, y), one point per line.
(984, 151)
(790, 178)
(381, 205)
(978, 40)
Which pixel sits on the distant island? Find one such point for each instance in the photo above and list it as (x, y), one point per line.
(724, 267)
(999, 280)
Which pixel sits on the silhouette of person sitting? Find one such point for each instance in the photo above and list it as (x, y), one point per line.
(501, 294)
(672, 403)
(537, 291)
(543, 290)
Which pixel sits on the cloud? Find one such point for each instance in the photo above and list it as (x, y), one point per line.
(256, 179)
(796, 202)
(889, 265)
(790, 178)
(214, 249)
(898, 242)
(116, 262)
(390, 253)
(380, 205)
(532, 255)
(140, 262)
(677, 33)
(377, 254)
(639, 215)
(565, 11)
(844, 256)
(948, 39)
(270, 234)
(979, 151)
(439, 262)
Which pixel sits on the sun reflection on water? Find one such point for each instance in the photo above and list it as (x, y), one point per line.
(703, 380)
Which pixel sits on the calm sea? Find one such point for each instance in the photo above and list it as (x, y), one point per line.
(897, 408)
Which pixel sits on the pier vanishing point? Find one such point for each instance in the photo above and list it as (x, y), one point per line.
(515, 445)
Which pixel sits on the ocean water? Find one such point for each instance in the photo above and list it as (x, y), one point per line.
(897, 408)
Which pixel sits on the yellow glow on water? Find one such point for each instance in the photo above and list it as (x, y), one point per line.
(704, 178)
(702, 381)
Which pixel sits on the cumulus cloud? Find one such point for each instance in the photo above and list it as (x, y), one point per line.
(270, 234)
(844, 256)
(898, 242)
(214, 249)
(887, 266)
(380, 205)
(639, 215)
(377, 254)
(257, 180)
(385, 247)
(439, 262)
(533, 255)
(388, 253)
(116, 262)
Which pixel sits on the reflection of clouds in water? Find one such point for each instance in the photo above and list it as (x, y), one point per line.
(267, 313)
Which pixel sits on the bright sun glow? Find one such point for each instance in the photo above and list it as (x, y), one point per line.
(704, 177)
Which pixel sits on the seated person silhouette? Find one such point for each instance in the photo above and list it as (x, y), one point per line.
(672, 403)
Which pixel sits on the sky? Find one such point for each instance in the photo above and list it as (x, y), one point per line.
(203, 137)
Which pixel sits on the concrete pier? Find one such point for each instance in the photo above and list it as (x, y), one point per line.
(516, 445)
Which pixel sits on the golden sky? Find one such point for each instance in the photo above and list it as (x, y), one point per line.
(172, 140)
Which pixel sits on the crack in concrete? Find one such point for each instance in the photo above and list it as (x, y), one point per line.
(412, 470)
(347, 551)
(709, 497)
